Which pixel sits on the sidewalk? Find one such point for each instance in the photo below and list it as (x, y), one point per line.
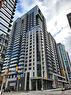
(58, 89)
(43, 92)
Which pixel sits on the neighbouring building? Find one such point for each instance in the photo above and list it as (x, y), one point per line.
(31, 56)
(7, 9)
(65, 60)
(58, 70)
(69, 19)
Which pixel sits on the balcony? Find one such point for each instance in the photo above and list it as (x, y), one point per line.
(15, 61)
(15, 58)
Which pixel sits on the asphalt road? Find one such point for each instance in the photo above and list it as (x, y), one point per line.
(67, 92)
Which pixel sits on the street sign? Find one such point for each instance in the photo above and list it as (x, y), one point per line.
(16, 68)
(18, 77)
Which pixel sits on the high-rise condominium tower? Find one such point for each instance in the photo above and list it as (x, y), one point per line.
(64, 58)
(7, 9)
(31, 56)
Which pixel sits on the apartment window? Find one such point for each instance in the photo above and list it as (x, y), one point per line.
(22, 21)
(0, 40)
(30, 49)
(31, 43)
(26, 57)
(26, 47)
(33, 48)
(42, 63)
(30, 37)
(32, 19)
(30, 64)
(25, 65)
(33, 59)
(33, 73)
(43, 67)
(26, 50)
(25, 61)
(30, 53)
(33, 63)
(29, 68)
(26, 54)
(30, 60)
(25, 69)
(30, 40)
(33, 52)
(33, 55)
(33, 37)
(30, 56)
(42, 58)
(30, 46)
(33, 68)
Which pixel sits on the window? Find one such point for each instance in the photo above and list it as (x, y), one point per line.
(30, 56)
(33, 73)
(43, 67)
(31, 43)
(33, 59)
(33, 52)
(30, 46)
(30, 60)
(22, 21)
(0, 40)
(26, 57)
(30, 53)
(33, 55)
(29, 68)
(26, 50)
(30, 64)
(33, 68)
(25, 65)
(33, 63)
(25, 69)
(25, 61)
(30, 40)
(30, 49)
(33, 48)
(30, 37)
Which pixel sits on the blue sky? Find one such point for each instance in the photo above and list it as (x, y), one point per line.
(55, 13)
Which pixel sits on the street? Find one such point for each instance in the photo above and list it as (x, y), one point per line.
(46, 92)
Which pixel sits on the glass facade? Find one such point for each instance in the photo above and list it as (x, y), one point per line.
(6, 15)
(64, 58)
